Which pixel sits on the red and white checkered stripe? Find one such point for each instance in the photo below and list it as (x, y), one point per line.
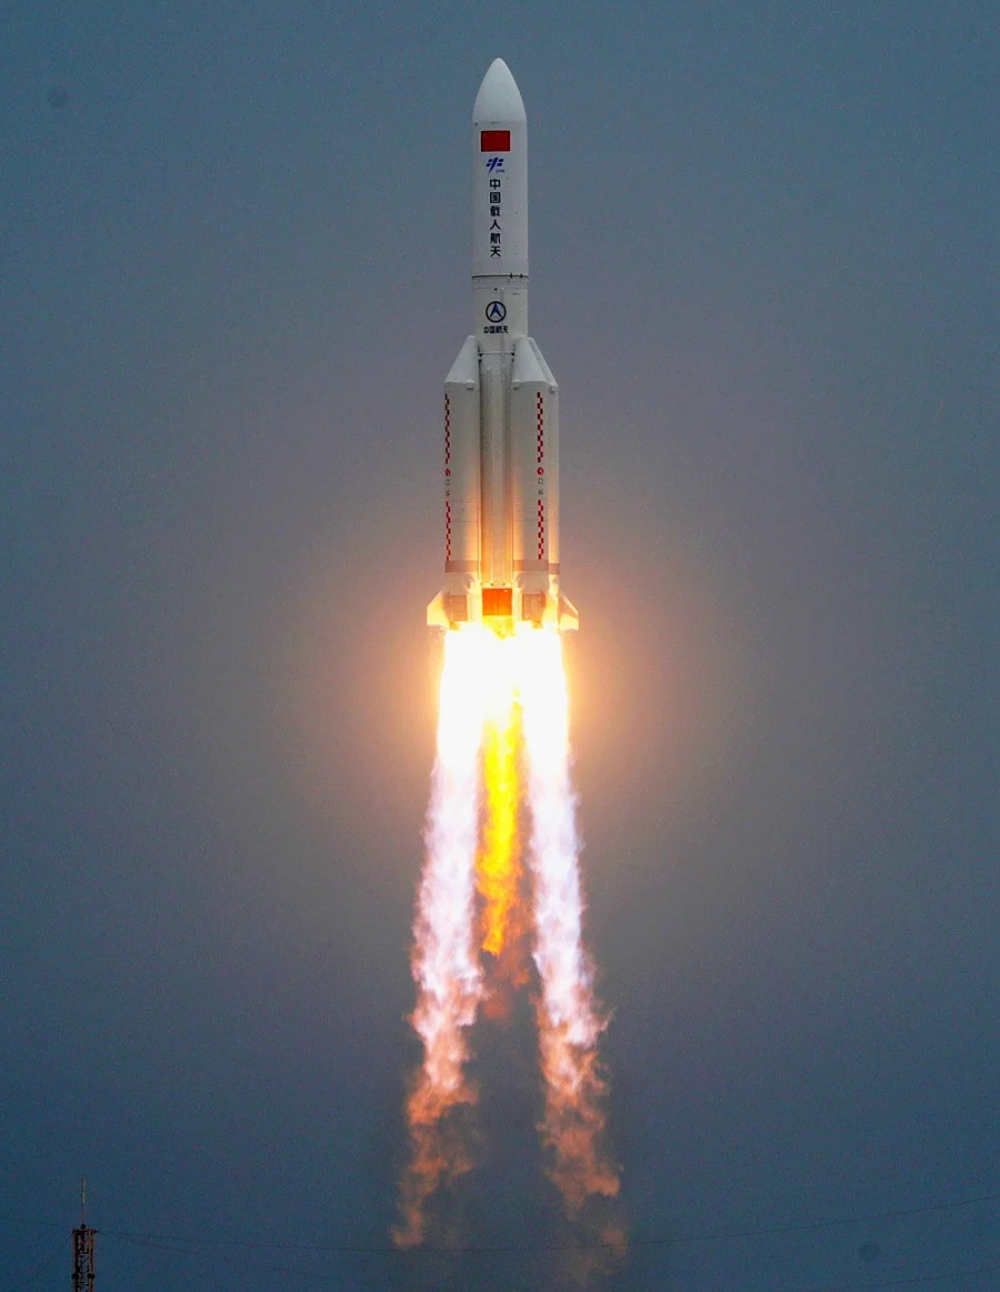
(447, 477)
(540, 467)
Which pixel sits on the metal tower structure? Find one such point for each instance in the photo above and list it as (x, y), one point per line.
(83, 1248)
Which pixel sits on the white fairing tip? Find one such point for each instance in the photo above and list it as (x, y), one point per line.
(499, 99)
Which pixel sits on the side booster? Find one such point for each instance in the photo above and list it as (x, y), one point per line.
(501, 403)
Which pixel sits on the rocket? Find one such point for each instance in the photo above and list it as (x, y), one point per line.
(501, 404)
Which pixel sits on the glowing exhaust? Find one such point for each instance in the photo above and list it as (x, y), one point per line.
(503, 739)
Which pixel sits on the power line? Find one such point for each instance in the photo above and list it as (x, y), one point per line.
(815, 1224)
(239, 1262)
(362, 1249)
(41, 1269)
(907, 1283)
(201, 1247)
(725, 1235)
(327, 1276)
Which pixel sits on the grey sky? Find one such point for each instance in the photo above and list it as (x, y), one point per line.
(234, 272)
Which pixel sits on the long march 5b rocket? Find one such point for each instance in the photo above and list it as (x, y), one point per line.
(501, 403)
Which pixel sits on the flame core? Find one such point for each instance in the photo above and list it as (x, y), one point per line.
(503, 735)
(499, 869)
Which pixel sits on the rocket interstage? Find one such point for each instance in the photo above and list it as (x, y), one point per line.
(500, 903)
(501, 403)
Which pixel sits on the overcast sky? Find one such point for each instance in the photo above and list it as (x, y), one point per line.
(233, 274)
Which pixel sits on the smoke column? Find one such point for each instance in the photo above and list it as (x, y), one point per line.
(569, 1024)
(503, 738)
(445, 968)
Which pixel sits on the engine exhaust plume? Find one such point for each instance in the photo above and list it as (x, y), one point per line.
(499, 868)
(569, 1021)
(502, 737)
(445, 965)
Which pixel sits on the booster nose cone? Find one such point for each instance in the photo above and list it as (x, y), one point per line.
(499, 99)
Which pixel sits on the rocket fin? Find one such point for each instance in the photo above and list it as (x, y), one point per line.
(569, 616)
(465, 369)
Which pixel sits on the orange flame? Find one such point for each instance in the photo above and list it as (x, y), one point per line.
(498, 872)
(501, 695)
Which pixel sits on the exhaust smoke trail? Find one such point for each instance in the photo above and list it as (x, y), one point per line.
(569, 1022)
(445, 967)
(504, 719)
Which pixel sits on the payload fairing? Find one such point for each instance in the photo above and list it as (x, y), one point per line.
(501, 403)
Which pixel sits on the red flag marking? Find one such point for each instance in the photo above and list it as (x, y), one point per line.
(494, 141)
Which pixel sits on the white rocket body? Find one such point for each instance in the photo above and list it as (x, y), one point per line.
(501, 403)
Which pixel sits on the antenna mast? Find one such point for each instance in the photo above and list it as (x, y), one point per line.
(83, 1248)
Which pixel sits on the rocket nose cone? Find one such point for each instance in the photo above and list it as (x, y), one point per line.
(499, 99)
